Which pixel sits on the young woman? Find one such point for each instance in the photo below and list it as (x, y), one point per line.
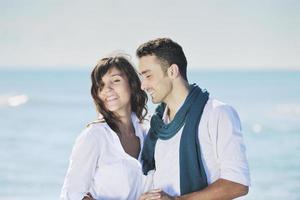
(105, 160)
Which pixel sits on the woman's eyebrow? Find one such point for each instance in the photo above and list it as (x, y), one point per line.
(116, 75)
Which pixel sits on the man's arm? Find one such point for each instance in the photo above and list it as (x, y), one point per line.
(220, 190)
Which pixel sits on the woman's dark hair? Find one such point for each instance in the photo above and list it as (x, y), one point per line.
(138, 97)
(167, 52)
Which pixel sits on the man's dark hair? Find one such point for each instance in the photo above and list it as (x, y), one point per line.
(167, 52)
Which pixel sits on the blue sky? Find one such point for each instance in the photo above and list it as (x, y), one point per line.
(253, 34)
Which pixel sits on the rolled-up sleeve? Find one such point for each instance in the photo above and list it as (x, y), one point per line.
(83, 162)
(230, 147)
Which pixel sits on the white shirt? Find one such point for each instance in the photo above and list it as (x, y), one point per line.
(99, 165)
(222, 150)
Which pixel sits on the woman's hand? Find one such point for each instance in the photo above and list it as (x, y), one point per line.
(156, 194)
(88, 196)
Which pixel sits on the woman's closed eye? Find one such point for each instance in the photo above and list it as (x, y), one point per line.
(116, 80)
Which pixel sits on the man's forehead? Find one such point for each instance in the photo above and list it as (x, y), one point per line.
(148, 59)
(147, 64)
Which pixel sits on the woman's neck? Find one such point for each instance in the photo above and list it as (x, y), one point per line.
(125, 124)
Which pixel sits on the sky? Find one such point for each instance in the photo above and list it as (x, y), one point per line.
(231, 34)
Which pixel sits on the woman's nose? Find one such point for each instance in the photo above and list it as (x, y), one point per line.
(107, 88)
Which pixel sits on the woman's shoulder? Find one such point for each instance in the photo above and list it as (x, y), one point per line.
(93, 131)
(98, 123)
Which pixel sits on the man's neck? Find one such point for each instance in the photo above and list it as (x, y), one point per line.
(176, 99)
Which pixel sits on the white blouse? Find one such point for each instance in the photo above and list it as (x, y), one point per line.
(99, 165)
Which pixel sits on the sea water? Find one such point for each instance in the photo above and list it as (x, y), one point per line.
(43, 111)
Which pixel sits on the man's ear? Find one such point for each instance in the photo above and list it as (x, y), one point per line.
(173, 71)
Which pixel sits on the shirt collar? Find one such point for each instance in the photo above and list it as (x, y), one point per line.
(165, 116)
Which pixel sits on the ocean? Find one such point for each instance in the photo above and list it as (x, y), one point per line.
(43, 111)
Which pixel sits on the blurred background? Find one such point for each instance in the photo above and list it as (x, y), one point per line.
(245, 53)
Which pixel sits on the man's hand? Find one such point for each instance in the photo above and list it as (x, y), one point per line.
(156, 194)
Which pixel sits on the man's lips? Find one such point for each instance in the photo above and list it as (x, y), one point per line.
(151, 92)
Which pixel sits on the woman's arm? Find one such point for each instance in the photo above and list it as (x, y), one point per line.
(82, 166)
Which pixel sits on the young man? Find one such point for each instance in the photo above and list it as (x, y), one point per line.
(195, 144)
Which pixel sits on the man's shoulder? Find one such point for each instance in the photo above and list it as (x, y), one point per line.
(214, 104)
(215, 107)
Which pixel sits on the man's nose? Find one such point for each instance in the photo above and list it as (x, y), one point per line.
(143, 85)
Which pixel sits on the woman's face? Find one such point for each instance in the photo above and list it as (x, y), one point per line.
(115, 91)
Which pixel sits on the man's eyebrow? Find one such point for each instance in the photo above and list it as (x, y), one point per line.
(144, 72)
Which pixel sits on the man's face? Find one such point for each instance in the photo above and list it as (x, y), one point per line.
(154, 80)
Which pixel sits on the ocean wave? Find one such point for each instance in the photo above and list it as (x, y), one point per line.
(257, 128)
(291, 110)
(13, 100)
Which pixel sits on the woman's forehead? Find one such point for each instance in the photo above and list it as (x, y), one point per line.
(114, 71)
